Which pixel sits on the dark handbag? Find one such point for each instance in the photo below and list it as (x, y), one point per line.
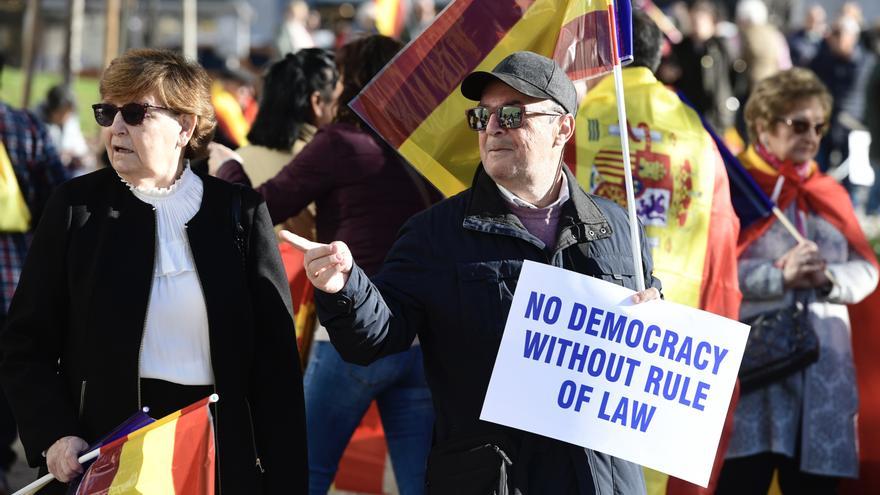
(780, 343)
(476, 466)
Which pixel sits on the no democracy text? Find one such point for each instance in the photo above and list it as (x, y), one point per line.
(596, 361)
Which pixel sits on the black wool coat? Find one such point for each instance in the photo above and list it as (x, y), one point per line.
(69, 352)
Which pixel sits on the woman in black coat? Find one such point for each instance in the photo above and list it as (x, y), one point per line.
(149, 285)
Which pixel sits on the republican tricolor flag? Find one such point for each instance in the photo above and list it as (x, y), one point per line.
(173, 455)
(415, 105)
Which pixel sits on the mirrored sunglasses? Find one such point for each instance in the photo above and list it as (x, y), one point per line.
(509, 116)
(132, 113)
(800, 126)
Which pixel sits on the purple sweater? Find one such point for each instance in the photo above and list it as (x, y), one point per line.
(361, 189)
(540, 222)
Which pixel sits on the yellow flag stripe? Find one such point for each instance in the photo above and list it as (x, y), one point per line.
(578, 8)
(158, 447)
(655, 481)
(145, 461)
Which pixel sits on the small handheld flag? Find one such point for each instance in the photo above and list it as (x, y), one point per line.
(173, 455)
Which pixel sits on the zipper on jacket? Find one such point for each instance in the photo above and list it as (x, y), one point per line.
(259, 463)
(147, 314)
(82, 398)
(217, 442)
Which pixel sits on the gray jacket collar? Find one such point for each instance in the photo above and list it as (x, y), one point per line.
(486, 211)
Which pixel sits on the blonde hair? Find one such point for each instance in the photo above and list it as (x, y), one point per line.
(776, 95)
(179, 84)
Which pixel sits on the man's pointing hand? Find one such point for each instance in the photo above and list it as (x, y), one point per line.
(326, 265)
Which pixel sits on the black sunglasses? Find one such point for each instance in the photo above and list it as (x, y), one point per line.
(132, 113)
(803, 126)
(509, 116)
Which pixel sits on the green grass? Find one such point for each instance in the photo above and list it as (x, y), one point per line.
(85, 89)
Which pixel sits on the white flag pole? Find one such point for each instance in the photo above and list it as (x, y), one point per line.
(36, 485)
(635, 243)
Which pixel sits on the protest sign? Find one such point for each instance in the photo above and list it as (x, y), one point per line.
(649, 383)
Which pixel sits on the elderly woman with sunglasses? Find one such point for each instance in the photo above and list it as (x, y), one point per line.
(148, 285)
(803, 424)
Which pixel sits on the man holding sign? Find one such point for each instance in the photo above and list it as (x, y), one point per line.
(452, 273)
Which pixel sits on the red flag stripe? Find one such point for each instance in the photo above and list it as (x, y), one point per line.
(612, 31)
(609, 173)
(196, 428)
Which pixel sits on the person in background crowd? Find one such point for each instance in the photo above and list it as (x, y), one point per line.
(299, 96)
(365, 19)
(853, 11)
(364, 192)
(28, 150)
(762, 46)
(704, 63)
(420, 17)
(781, 13)
(322, 36)
(171, 281)
(692, 229)
(295, 35)
(804, 43)
(448, 280)
(804, 424)
(872, 122)
(58, 113)
(762, 51)
(844, 66)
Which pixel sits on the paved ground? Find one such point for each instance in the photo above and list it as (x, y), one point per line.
(20, 474)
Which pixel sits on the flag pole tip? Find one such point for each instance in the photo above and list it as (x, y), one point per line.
(213, 398)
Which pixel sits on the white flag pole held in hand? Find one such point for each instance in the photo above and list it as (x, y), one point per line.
(326, 265)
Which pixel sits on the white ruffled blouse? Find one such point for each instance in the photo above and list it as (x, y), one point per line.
(175, 345)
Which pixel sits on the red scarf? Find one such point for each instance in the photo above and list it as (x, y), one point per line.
(812, 191)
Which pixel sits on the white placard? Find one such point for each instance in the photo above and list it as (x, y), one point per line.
(649, 383)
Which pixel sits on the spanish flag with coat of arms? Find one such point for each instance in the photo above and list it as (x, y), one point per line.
(682, 197)
(682, 192)
(414, 103)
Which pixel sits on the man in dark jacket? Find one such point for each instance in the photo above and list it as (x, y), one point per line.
(452, 273)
